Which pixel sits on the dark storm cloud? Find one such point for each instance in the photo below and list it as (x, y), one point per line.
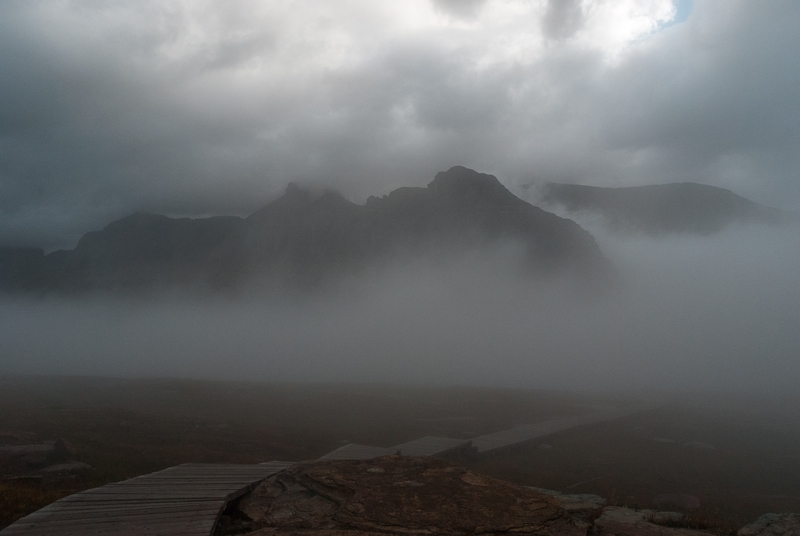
(204, 108)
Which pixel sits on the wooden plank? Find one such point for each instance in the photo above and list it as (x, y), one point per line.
(521, 434)
(71, 517)
(130, 506)
(142, 519)
(185, 500)
(430, 446)
(192, 528)
(353, 451)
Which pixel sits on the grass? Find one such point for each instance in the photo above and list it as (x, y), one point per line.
(19, 499)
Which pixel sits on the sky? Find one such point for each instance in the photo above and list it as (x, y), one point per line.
(202, 107)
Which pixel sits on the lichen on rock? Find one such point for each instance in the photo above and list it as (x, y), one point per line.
(395, 495)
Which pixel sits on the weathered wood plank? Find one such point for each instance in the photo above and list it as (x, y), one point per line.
(353, 451)
(185, 500)
(431, 446)
(522, 434)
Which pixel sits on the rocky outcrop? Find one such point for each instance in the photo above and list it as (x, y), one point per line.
(773, 525)
(617, 521)
(395, 495)
(583, 508)
(426, 495)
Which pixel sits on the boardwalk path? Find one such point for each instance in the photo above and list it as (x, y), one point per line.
(185, 500)
(522, 434)
(489, 444)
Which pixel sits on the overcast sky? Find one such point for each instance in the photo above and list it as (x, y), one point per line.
(204, 107)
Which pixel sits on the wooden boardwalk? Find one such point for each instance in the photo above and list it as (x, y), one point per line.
(188, 499)
(352, 451)
(486, 444)
(185, 500)
(433, 446)
(522, 434)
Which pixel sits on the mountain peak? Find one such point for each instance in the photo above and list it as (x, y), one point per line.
(462, 178)
(466, 185)
(295, 192)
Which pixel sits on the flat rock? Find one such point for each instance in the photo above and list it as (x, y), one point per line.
(395, 495)
(773, 525)
(624, 521)
(582, 507)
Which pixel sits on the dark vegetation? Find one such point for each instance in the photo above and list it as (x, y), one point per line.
(739, 457)
(694, 521)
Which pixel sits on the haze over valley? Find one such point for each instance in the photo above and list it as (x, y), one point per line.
(459, 287)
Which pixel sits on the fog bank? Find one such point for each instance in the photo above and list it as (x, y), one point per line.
(700, 313)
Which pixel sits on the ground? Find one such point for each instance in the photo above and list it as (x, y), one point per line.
(723, 460)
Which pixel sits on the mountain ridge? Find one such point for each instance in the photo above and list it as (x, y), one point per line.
(659, 209)
(300, 240)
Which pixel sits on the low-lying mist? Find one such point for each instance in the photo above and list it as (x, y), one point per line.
(686, 313)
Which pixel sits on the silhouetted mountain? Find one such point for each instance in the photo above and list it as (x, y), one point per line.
(21, 267)
(663, 208)
(301, 240)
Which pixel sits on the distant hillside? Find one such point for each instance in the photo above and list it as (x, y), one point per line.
(302, 240)
(662, 208)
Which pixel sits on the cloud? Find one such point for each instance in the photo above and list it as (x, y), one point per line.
(464, 9)
(197, 108)
(562, 18)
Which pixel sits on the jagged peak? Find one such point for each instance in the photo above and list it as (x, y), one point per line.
(332, 198)
(295, 192)
(460, 182)
(459, 178)
(302, 198)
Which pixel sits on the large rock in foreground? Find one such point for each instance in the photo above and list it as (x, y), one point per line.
(395, 495)
(427, 495)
